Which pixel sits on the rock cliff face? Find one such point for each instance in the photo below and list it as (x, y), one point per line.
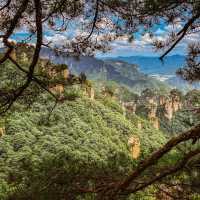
(155, 122)
(129, 107)
(152, 114)
(172, 104)
(58, 88)
(139, 125)
(168, 109)
(150, 100)
(134, 144)
(89, 91)
(176, 104)
(162, 100)
(152, 110)
(149, 106)
(2, 131)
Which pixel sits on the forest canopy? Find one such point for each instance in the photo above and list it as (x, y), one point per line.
(64, 145)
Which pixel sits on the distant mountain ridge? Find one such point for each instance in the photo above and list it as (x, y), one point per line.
(164, 71)
(153, 65)
(121, 72)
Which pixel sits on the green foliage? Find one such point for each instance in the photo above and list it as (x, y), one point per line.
(80, 139)
(193, 98)
(181, 121)
(126, 95)
(72, 93)
(144, 195)
(45, 155)
(148, 93)
(186, 117)
(112, 104)
(11, 77)
(176, 92)
(110, 88)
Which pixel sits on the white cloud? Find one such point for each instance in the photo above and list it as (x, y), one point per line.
(193, 37)
(140, 46)
(173, 27)
(57, 39)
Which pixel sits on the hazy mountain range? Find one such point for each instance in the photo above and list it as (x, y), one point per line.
(121, 72)
(164, 71)
(153, 65)
(136, 72)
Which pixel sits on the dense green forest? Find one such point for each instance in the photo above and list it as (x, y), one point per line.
(99, 129)
(53, 151)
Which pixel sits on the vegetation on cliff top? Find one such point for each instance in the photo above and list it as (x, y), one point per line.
(81, 140)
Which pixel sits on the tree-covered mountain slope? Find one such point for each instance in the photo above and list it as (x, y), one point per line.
(72, 140)
(80, 139)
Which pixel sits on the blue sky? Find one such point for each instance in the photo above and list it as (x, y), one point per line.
(142, 44)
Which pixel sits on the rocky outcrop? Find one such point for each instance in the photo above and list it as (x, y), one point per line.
(107, 92)
(53, 72)
(129, 107)
(2, 131)
(134, 144)
(155, 107)
(57, 89)
(59, 73)
(162, 100)
(172, 105)
(139, 125)
(155, 122)
(176, 103)
(89, 91)
(152, 110)
(168, 112)
(152, 115)
(150, 100)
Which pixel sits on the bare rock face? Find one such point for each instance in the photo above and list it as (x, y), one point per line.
(134, 144)
(89, 91)
(152, 110)
(155, 122)
(148, 100)
(162, 100)
(2, 131)
(57, 89)
(176, 104)
(176, 100)
(53, 73)
(168, 109)
(152, 115)
(139, 125)
(151, 100)
(129, 107)
(92, 93)
(66, 73)
(172, 105)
